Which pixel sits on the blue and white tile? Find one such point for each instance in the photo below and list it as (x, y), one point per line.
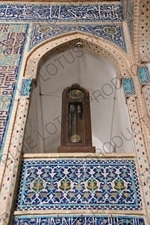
(144, 75)
(129, 87)
(110, 32)
(79, 219)
(79, 184)
(62, 12)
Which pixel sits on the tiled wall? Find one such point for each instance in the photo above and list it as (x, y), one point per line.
(61, 12)
(79, 184)
(130, 19)
(79, 219)
(114, 183)
(12, 40)
(113, 33)
(22, 22)
(144, 30)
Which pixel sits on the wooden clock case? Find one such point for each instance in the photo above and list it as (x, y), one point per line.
(76, 121)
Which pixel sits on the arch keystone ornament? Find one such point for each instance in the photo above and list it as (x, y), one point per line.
(76, 120)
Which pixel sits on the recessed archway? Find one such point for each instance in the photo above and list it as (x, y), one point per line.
(102, 84)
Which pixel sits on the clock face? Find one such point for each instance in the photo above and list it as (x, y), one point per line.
(75, 94)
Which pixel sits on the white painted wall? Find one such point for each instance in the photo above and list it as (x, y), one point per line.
(121, 129)
(109, 114)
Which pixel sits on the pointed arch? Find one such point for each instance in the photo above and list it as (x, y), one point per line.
(106, 49)
(50, 48)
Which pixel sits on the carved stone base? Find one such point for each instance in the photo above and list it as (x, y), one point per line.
(69, 149)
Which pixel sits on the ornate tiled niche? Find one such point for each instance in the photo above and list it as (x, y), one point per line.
(68, 184)
(88, 184)
(27, 25)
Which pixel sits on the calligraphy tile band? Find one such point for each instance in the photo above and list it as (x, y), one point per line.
(79, 219)
(12, 41)
(70, 12)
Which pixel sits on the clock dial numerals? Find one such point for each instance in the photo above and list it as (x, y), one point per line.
(75, 94)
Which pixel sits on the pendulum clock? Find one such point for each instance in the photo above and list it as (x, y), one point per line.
(76, 120)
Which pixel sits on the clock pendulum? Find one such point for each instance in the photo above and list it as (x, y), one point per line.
(74, 117)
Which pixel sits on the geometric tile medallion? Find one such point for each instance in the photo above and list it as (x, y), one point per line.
(65, 184)
(144, 75)
(78, 219)
(26, 87)
(129, 87)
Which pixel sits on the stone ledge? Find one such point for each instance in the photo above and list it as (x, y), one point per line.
(78, 155)
(80, 212)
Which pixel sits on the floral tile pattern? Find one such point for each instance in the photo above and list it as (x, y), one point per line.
(79, 184)
(113, 33)
(78, 220)
(53, 13)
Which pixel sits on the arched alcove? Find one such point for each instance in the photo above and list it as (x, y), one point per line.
(109, 116)
(38, 56)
